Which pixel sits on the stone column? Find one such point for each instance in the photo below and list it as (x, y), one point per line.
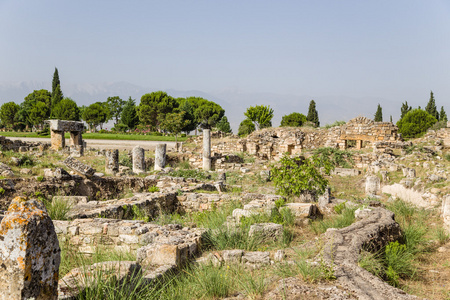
(138, 160)
(206, 149)
(112, 161)
(160, 157)
(57, 139)
(76, 138)
(29, 252)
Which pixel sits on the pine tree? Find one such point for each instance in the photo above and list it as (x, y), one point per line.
(431, 107)
(404, 109)
(390, 119)
(55, 81)
(129, 116)
(443, 115)
(313, 115)
(379, 114)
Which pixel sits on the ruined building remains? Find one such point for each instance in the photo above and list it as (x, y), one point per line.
(57, 130)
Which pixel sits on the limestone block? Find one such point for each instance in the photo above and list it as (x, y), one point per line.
(239, 213)
(304, 210)
(256, 259)
(29, 252)
(372, 185)
(345, 172)
(79, 167)
(71, 200)
(159, 254)
(266, 231)
(232, 256)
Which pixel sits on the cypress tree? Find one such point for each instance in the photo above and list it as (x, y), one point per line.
(379, 114)
(431, 107)
(55, 81)
(129, 116)
(313, 115)
(57, 96)
(404, 109)
(443, 115)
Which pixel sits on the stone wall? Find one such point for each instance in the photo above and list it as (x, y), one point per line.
(20, 146)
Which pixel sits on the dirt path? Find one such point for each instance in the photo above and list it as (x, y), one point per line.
(108, 144)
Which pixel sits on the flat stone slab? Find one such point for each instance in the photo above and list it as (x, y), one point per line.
(79, 167)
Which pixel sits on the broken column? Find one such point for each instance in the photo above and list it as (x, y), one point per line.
(112, 161)
(138, 160)
(160, 157)
(372, 185)
(29, 252)
(206, 149)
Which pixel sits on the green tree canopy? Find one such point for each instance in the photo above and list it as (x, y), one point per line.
(293, 120)
(39, 113)
(8, 113)
(115, 106)
(66, 109)
(30, 113)
(153, 106)
(415, 122)
(443, 115)
(129, 115)
(404, 109)
(246, 127)
(313, 115)
(378, 114)
(223, 125)
(188, 108)
(260, 115)
(173, 122)
(431, 107)
(95, 114)
(207, 113)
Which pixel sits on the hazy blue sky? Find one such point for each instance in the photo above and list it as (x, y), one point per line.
(398, 50)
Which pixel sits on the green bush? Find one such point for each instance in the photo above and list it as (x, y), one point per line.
(337, 157)
(415, 123)
(246, 127)
(293, 120)
(153, 189)
(299, 174)
(399, 262)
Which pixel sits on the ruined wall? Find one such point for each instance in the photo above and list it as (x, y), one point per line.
(20, 146)
(272, 143)
(444, 134)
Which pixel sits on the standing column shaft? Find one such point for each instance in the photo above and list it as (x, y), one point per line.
(160, 157)
(112, 161)
(138, 160)
(206, 150)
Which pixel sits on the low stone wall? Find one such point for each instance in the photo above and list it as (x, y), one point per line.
(342, 249)
(20, 146)
(128, 235)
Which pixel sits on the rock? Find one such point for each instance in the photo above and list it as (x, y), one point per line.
(48, 173)
(345, 172)
(239, 213)
(16, 161)
(162, 254)
(29, 252)
(99, 174)
(79, 167)
(7, 173)
(409, 172)
(435, 178)
(266, 231)
(26, 171)
(304, 210)
(408, 195)
(222, 177)
(256, 259)
(245, 170)
(232, 256)
(265, 175)
(372, 185)
(279, 255)
(60, 173)
(325, 198)
(362, 213)
(75, 282)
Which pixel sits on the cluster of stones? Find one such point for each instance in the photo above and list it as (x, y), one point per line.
(20, 146)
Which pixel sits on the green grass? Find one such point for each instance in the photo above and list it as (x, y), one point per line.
(57, 209)
(344, 219)
(101, 136)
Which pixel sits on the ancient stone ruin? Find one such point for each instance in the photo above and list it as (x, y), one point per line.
(29, 252)
(57, 130)
(362, 129)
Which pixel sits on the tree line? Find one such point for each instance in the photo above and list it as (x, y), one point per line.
(157, 111)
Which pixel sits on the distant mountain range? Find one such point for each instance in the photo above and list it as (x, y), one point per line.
(234, 101)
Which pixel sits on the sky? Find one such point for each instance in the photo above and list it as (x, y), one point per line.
(391, 50)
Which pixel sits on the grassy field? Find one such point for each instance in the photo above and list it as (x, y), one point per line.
(101, 136)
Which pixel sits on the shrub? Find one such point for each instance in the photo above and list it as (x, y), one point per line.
(415, 123)
(57, 209)
(293, 120)
(246, 127)
(40, 178)
(337, 157)
(336, 123)
(299, 174)
(399, 262)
